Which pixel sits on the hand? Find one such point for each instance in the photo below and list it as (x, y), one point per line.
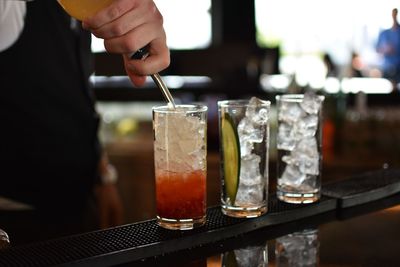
(128, 25)
(110, 206)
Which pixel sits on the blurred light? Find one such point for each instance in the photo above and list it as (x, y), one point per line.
(275, 82)
(177, 82)
(173, 82)
(337, 32)
(367, 85)
(127, 126)
(187, 23)
(332, 85)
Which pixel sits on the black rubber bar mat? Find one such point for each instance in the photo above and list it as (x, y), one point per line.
(364, 188)
(146, 239)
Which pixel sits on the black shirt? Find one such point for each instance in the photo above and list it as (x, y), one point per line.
(49, 148)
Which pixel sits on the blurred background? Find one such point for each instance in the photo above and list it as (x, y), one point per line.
(224, 49)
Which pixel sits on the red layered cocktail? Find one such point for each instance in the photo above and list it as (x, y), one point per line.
(180, 165)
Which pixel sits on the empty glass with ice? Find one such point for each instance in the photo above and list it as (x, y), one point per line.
(244, 143)
(180, 152)
(299, 147)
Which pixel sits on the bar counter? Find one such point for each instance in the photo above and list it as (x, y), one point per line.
(354, 224)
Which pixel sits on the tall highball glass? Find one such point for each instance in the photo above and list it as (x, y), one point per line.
(180, 158)
(299, 144)
(244, 144)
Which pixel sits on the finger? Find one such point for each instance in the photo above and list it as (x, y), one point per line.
(137, 80)
(116, 9)
(134, 18)
(158, 59)
(135, 39)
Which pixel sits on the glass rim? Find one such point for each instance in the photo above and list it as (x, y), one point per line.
(241, 103)
(183, 108)
(295, 97)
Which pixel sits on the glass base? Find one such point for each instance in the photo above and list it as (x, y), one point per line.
(244, 212)
(298, 198)
(184, 224)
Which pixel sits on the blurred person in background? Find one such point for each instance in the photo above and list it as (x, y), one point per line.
(51, 158)
(388, 46)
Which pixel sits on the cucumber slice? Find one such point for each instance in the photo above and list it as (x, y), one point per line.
(231, 157)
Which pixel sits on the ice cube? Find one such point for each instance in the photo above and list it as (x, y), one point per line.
(308, 147)
(261, 117)
(250, 170)
(292, 176)
(251, 131)
(306, 156)
(245, 130)
(250, 195)
(311, 103)
(285, 140)
(251, 183)
(305, 127)
(290, 112)
(256, 113)
(179, 142)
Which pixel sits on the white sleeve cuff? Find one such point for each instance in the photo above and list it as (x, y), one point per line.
(12, 16)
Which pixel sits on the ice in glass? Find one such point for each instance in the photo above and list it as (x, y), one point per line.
(244, 143)
(299, 147)
(180, 153)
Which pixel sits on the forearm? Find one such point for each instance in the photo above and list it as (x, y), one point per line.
(12, 15)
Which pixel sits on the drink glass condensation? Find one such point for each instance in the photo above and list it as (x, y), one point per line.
(244, 147)
(299, 147)
(180, 159)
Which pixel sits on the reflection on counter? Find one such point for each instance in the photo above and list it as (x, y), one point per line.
(299, 249)
(245, 257)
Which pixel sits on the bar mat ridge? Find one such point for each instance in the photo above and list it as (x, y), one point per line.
(146, 239)
(364, 188)
(133, 242)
